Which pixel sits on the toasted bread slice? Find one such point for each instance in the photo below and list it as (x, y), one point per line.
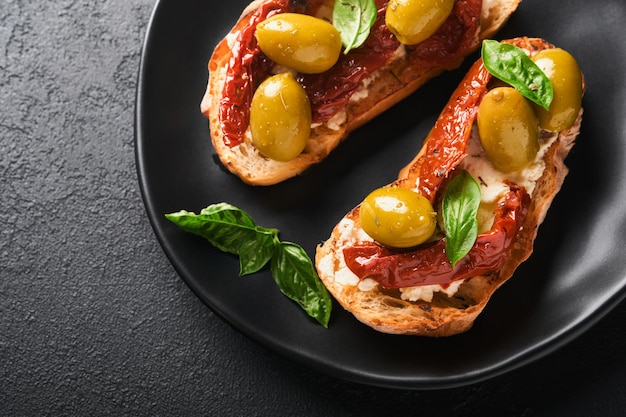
(444, 311)
(385, 87)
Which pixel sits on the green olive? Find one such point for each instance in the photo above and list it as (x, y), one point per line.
(280, 117)
(564, 72)
(397, 217)
(301, 42)
(508, 129)
(413, 21)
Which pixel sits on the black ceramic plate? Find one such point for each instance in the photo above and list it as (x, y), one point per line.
(576, 274)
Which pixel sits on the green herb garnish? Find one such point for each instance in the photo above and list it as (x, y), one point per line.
(354, 20)
(511, 65)
(232, 230)
(459, 208)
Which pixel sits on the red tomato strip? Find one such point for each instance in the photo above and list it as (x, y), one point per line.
(247, 67)
(447, 142)
(429, 265)
(444, 148)
(331, 90)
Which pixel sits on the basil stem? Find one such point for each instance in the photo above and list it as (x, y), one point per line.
(232, 230)
(459, 209)
(513, 66)
(354, 20)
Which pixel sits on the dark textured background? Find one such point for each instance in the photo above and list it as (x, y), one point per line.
(93, 318)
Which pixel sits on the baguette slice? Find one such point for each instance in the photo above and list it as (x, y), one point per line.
(387, 86)
(444, 315)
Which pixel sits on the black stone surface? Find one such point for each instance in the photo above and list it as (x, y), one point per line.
(93, 318)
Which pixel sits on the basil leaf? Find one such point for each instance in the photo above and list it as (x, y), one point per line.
(254, 254)
(228, 212)
(254, 249)
(459, 208)
(232, 230)
(354, 20)
(296, 278)
(511, 65)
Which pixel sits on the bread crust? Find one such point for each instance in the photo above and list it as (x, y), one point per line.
(390, 84)
(383, 309)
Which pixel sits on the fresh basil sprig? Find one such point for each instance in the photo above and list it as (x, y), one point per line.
(511, 65)
(459, 209)
(232, 230)
(354, 20)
